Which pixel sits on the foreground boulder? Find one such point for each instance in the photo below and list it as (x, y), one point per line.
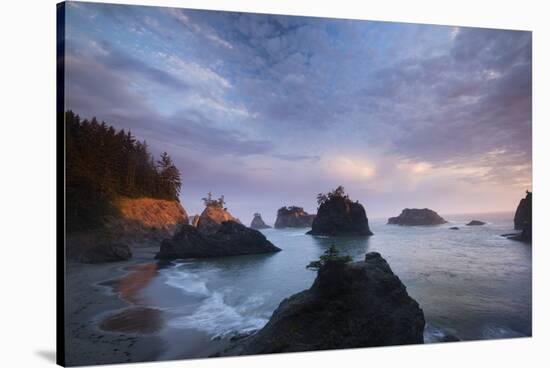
(417, 217)
(230, 239)
(96, 246)
(475, 223)
(212, 218)
(293, 217)
(523, 219)
(349, 305)
(258, 223)
(339, 215)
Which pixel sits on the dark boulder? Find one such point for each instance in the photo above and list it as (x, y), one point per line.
(351, 305)
(231, 239)
(475, 223)
(340, 216)
(417, 217)
(454, 228)
(293, 217)
(258, 223)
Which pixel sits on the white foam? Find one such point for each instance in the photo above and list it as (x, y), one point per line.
(188, 282)
(500, 332)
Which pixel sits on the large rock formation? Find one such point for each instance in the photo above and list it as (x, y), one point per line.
(350, 305)
(211, 219)
(293, 217)
(258, 223)
(338, 215)
(145, 221)
(417, 217)
(475, 223)
(230, 239)
(523, 218)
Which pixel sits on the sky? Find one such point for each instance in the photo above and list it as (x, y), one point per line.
(270, 110)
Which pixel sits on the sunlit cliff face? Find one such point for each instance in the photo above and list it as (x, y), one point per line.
(271, 110)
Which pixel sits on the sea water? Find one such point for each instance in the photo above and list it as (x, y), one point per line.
(471, 283)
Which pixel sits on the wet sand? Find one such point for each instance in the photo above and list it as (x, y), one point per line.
(108, 321)
(88, 304)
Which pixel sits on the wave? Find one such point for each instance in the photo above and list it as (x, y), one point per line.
(214, 315)
(500, 332)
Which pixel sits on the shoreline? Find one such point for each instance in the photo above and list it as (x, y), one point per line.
(87, 303)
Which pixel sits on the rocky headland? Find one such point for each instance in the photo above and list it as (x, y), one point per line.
(417, 217)
(258, 223)
(293, 216)
(339, 215)
(523, 219)
(349, 305)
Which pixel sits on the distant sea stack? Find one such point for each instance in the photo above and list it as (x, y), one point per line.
(339, 215)
(475, 223)
(349, 305)
(194, 220)
(523, 218)
(417, 217)
(230, 239)
(293, 217)
(258, 223)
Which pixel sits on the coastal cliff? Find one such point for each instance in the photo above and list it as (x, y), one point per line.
(339, 215)
(349, 305)
(293, 216)
(417, 217)
(523, 218)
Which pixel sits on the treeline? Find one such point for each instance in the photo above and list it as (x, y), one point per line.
(102, 163)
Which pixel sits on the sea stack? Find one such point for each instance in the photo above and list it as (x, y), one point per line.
(293, 216)
(258, 223)
(339, 215)
(523, 218)
(214, 215)
(417, 217)
(349, 305)
(475, 223)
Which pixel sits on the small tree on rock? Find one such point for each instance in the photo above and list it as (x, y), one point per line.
(331, 255)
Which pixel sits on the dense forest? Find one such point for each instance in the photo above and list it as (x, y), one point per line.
(102, 163)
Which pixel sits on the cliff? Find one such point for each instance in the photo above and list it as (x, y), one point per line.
(523, 218)
(417, 217)
(258, 222)
(212, 217)
(340, 216)
(351, 305)
(229, 239)
(293, 217)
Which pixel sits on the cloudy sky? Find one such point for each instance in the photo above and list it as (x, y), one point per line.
(270, 110)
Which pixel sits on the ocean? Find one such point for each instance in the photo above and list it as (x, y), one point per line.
(471, 283)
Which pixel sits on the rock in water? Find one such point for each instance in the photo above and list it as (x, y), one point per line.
(352, 305)
(211, 219)
(454, 228)
(417, 217)
(230, 239)
(293, 217)
(523, 218)
(258, 222)
(475, 223)
(340, 216)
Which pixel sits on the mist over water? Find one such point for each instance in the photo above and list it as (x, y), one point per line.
(471, 283)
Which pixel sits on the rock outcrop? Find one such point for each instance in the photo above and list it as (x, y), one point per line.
(338, 215)
(212, 218)
(454, 228)
(146, 221)
(258, 223)
(523, 218)
(351, 305)
(230, 239)
(96, 247)
(293, 217)
(417, 217)
(475, 223)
